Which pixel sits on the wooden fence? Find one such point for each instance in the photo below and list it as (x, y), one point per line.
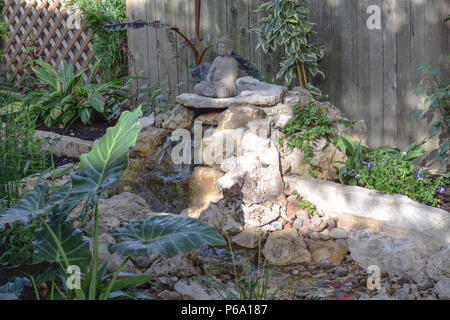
(46, 19)
(371, 74)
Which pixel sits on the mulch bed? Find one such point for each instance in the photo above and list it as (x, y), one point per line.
(82, 131)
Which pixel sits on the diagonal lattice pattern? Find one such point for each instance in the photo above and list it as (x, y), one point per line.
(46, 19)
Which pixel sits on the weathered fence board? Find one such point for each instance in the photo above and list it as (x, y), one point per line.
(46, 19)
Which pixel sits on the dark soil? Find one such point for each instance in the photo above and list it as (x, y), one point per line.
(79, 130)
(60, 161)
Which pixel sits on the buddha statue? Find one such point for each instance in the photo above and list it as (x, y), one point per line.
(221, 79)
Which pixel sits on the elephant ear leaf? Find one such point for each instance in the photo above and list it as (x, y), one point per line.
(76, 248)
(31, 206)
(13, 290)
(104, 164)
(166, 235)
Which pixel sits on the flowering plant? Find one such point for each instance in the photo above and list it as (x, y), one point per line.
(390, 170)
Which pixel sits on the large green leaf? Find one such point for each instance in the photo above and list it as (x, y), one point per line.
(166, 235)
(32, 205)
(104, 164)
(76, 248)
(13, 290)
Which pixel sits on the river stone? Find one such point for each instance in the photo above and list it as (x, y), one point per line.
(148, 141)
(179, 118)
(198, 288)
(402, 256)
(250, 238)
(179, 266)
(285, 247)
(203, 188)
(438, 265)
(338, 233)
(442, 288)
(326, 250)
(250, 92)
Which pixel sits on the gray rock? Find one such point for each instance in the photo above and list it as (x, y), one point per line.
(338, 234)
(239, 117)
(250, 92)
(179, 118)
(180, 266)
(403, 256)
(257, 215)
(198, 288)
(442, 288)
(438, 265)
(392, 213)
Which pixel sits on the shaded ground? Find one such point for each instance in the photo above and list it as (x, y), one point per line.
(82, 131)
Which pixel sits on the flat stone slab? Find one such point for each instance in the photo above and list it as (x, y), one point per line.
(360, 208)
(250, 92)
(63, 145)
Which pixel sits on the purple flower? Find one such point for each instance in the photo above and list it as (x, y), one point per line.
(356, 176)
(418, 176)
(362, 162)
(441, 190)
(370, 165)
(404, 153)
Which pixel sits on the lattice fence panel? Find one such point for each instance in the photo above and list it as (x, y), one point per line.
(47, 20)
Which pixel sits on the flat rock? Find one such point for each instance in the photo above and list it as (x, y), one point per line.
(250, 92)
(401, 256)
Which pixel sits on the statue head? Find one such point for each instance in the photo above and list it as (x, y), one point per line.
(225, 46)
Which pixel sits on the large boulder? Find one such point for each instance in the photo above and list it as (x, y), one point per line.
(286, 247)
(401, 256)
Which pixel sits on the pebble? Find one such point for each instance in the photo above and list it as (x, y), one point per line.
(340, 271)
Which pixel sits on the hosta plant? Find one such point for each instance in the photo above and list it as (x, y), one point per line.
(59, 242)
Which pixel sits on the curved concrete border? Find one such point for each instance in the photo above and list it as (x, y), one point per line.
(360, 208)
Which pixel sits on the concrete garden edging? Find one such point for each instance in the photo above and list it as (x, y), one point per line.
(360, 208)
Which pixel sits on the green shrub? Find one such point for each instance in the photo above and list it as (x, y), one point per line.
(110, 47)
(67, 98)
